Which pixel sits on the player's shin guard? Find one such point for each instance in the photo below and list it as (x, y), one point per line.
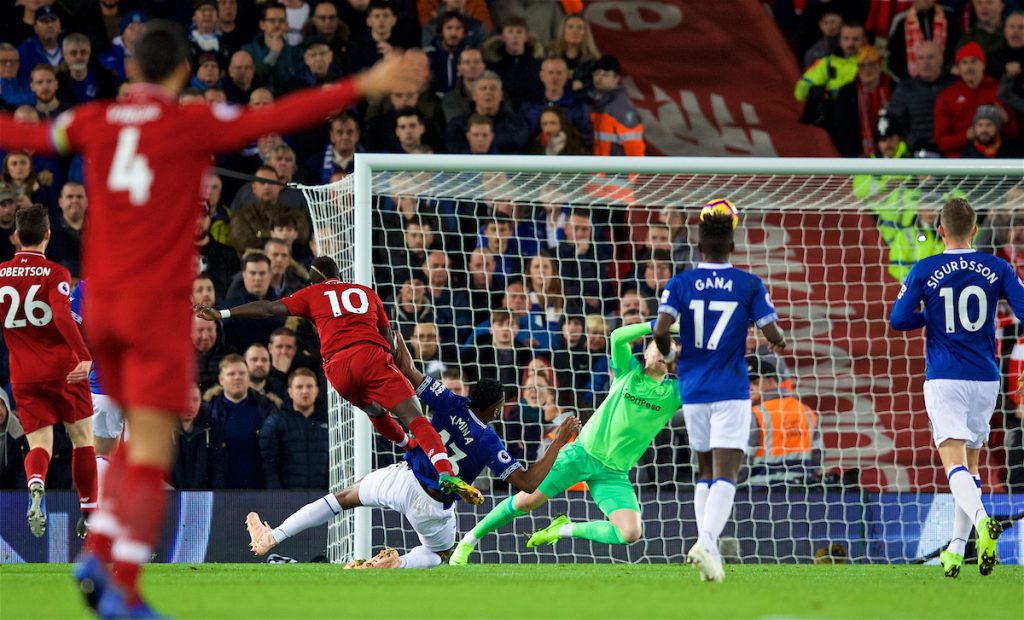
(37, 462)
(102, 465)
(966, 493)
(83, 472)
(598, 531)
(389, 428)
(717, 511)
(962, 526)
(499, 516)
(104, 528)
(140, 510)
(431, 443)
(312, 514)
(700, 500)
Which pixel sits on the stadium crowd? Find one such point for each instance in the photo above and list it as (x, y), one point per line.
(528, 295)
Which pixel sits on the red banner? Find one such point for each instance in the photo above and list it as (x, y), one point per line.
(709, 77)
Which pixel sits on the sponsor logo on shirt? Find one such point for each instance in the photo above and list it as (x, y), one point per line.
(641, 402)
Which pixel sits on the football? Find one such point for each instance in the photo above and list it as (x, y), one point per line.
(721, 206)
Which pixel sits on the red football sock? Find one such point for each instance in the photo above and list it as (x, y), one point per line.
(430, 442)
(390, 429)
(83, 472)
(37, 461)
(104, 527)
(140, 510)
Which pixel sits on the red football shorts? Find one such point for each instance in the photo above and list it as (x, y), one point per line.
(143, 349)
(365, 373)
(46, 403)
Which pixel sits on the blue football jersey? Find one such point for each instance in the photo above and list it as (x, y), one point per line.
(715, 304)
(77, 303)
(960, 290)
(471, 444)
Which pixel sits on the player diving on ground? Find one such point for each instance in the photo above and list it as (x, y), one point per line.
(411, 486)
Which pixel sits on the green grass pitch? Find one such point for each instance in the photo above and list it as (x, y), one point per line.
(536, 591)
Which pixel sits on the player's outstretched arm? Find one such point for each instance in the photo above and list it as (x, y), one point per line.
(35, 137)
(528, 480)
(775, 336)
(261, 309)
(663, 334)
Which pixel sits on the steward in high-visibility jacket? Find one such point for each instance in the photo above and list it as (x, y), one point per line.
(785, 445)
(617, 126)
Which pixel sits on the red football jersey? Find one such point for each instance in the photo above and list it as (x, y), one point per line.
(344, 313)
(144, 159)
(35, 306)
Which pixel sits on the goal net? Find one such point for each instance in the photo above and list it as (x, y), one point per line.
(519, 268)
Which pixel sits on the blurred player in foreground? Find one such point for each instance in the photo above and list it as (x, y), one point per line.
(411, 487)
(960, 289)
(49, 365)
(356, 338)
(145, 155)
(642, 399)
(714, 304)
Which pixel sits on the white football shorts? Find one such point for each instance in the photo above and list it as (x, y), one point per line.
(722, 424)
(396, 487)
(107, 419)
(960, 409)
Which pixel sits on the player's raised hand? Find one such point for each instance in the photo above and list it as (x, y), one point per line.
(80, 372)
(397, 71)
(567, 430)
(206, 313)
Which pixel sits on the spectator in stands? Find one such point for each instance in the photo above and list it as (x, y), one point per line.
(829, 22)
(858, 104)
(475, 31)
(657, 271)
(497, 353)
(14, 88)
(282, 159)
(541, 17)
(757, 346)
(443, 51)
(912, 106)
(994, 232)
(784, 434)
(571, 359)
(240, 333)
(324, 23)
(8, 208)
(370, 46)
(499, 240)
(451, 305)
(913, 237)
(988, 143)
(201, 462)
(987, 30)
(217, 260)
(381, 120)
(275, 60)
(557, 136)
(546, 303)
(924, 21)
(43, 48)
(1009, 62)
(955, 106)
(599, 378)
(133, 24)
(409, 130)
(100, 21)
(554, 76)
(889, 145)
(426, 350)
(454, 381)
(411, 259)
(480, 135)
(411, 306)
(285, 355)
(220, 217)
(81, 79)
(458, 101)
(617, 126)
(632, 308)
(207, 73)
(294, 441)
(251, 224)
(583, 264)
(20, 176)
(483, 283)
(257, 360)
(525, 422)
(339, 154)
(65, 247)
(286, 275)
(510, 130)
(210, 350)
(44, 87)
(241, 79)
(13, 447)
(203, 293)
(204, 36)
(232, 35)
(238, 415)
(575, 44)
(515, 57)
(556, 213)
(215, 94)
(297, 13)
(820, 84)
(319, 67)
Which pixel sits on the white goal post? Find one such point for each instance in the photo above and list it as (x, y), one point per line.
(811, 228)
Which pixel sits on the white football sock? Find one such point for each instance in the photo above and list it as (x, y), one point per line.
(962, 526)
(420, 557)
(312, 514)
(102, 465)
(965, 492)
(700, 501)
(717, 512)
(565, 531)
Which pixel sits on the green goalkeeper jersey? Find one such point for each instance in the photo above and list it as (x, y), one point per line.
(637, 407)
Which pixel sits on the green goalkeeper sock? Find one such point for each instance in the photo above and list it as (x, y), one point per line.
(600, 531)
(499, 516)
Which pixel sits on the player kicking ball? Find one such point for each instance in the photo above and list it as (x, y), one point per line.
(960, 289)
(356, 337)
(412, 487)
(714, 304)
(642, 399)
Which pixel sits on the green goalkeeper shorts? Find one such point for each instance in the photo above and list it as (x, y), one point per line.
(611, 488)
